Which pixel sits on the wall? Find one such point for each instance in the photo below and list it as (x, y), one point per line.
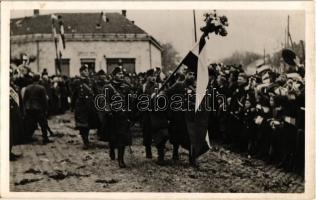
(156, 56)
(90, 49)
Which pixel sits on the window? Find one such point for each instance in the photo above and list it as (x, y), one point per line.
(64, 66)
(126, 63)
(90, 62)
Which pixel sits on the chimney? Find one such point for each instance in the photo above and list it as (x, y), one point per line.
(36, 12)
(124, 13)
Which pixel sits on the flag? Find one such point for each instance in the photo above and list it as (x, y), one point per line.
(62, 33)
(196, 61)
(59, 39)
(104, 17)
(60, 46)
(197, 120)
(202, 75)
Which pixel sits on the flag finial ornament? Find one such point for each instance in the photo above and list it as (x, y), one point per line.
(214, 23)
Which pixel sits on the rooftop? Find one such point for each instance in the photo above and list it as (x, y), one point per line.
(76, 23)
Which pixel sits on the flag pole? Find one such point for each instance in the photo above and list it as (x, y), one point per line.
(194, 21)
(179, 65)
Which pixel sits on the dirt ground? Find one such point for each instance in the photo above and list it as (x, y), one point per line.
(63, 166)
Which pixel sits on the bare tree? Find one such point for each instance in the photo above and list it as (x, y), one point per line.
(170, 57)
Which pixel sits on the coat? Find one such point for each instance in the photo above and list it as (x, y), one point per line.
(120, 134)
(83, 104)
(35, 98)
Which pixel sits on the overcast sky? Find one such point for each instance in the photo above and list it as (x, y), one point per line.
(253, 30)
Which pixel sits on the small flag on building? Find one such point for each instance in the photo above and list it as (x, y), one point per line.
(62, 32)
(59, 39)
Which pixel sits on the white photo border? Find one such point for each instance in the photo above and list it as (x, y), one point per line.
(307, 6)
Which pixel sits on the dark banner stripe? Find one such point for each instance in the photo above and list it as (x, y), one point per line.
(201, 43)
(191, 60)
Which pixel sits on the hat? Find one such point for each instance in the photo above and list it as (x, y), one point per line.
(150, 72)
(263, 68)
(83, 67)
(117, 70)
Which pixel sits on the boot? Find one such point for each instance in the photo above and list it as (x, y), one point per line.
(121, 151)
(85, 140)
(161, 156)
(14, 157)
(45, 136)
(112, 153)
(148, 152)
(192, 159)
(46, 140)
(175, 153)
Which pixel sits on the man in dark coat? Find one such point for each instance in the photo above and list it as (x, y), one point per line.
(83, 105)
(16, 120)
(148, 88)
(36, 105)
(120, 134)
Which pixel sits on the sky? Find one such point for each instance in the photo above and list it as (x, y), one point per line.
(248, 30)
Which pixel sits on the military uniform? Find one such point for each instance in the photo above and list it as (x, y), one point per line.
(120, 134)
(148, 89)
(177, 126)
(83, 106)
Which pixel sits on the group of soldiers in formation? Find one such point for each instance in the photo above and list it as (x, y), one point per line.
(262, 115)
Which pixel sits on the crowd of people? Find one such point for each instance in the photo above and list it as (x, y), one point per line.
(261, 115)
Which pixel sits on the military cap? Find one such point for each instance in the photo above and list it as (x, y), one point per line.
(150, 72)
(36, 77)
(117, 70)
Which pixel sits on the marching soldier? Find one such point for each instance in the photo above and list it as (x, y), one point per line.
(120, 135)
(148, 88)
(83, 105)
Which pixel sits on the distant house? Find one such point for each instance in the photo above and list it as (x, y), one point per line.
(101, 43)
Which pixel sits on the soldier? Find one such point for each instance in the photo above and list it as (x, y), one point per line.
(148, 88)
(120, 135)
(83, 105)
(36, 106)
(103, 115)
(178, 132)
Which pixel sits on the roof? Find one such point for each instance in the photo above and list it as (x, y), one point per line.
(75, 23)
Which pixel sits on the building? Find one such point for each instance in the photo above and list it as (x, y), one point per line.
(102, 41)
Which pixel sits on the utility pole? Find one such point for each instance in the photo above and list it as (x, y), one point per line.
(288, 32)
(194, 22)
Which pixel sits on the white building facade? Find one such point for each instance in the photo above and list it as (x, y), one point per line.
(131, 48)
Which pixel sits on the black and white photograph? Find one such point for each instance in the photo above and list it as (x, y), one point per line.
(157, 100)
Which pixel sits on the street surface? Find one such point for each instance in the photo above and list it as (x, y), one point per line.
(63, 166)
